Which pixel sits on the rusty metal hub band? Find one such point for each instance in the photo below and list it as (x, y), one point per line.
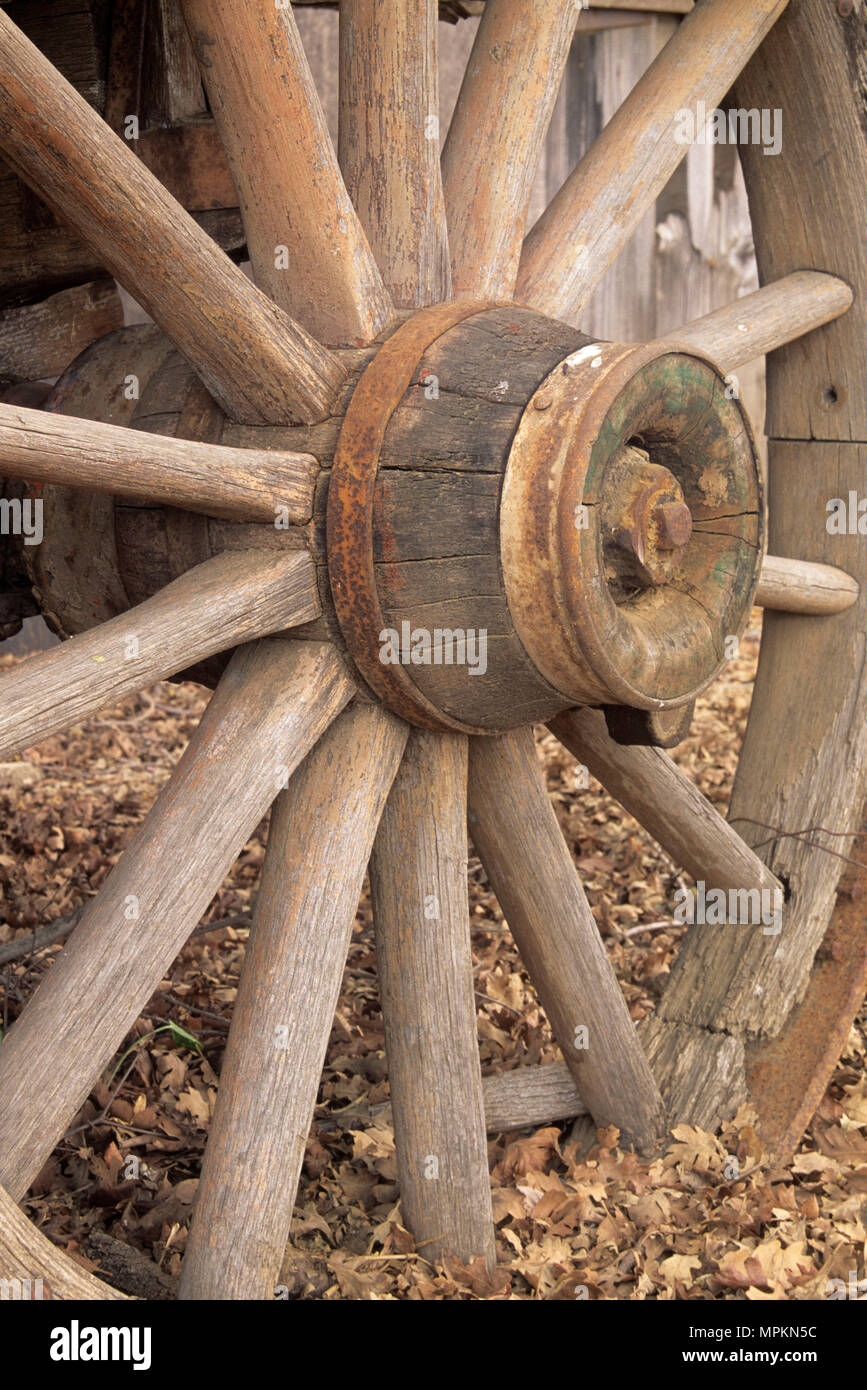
(350, 509)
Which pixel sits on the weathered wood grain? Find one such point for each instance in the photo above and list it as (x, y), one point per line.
(810, 684)
(228, 600)
(40, 340)
(421, 919)
(590, 220)
(80, 585)
(259, 363)
(171, 84)
(802, 763)
(813, 64)
(509, 89)
(35, 263)
(244, 484)
(73, 36)
(123, 96)
(436, 514)
(515, 831)
(190, 162)
(28, 1255)
(321, 834)
(768, 319)
(306, 243)
(274, 702)
(671, 808)
(531, 1095)
(454, 10)
(389, 142)
(601, 71)
(799, 586)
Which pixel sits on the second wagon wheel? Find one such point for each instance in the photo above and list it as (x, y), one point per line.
(441, 451)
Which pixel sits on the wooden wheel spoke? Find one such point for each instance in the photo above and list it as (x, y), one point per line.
(321, 835)
(802, 586)
(241, 484)
(505, 105)
(671, 808)
(44, 1271)
(389, 142)
(233, 598)
(515, 831)
(273, 703)
(259, 364)
(772, 316)
(421, 916)
(307, 245)
(601, 203)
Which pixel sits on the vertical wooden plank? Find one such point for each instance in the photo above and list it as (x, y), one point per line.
(602, 70)
(171, 81)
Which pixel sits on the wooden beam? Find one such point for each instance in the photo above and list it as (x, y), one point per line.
(274, 702)
(799, 586)
(233, 598)
(515, 831)
(760, 322)
(601, 203)
(241, 484)
(504, 109)
(320, 838)
(418, 878)
(389, 146)
(40, 340)
(306, 243)
(671, 808)
(262, 367)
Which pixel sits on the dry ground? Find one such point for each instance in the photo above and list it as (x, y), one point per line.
(710, 1219)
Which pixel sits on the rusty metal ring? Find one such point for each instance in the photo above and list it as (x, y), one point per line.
(349, 523)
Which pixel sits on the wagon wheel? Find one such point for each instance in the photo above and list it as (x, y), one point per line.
(607, 499)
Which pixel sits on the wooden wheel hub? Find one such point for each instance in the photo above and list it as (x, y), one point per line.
(629, 510)
(632, 525)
